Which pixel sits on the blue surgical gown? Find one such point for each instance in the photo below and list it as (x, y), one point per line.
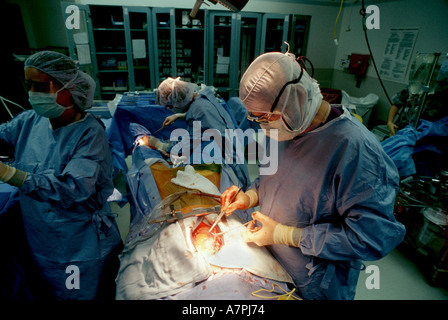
(336, 183)
(212, 115)
(63, 201)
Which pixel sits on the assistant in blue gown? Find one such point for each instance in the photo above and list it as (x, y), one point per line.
(201, 108)
(70, 228)
(206, 109)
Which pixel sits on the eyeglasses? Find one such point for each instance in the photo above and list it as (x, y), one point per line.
(265, 118)
(38, 86)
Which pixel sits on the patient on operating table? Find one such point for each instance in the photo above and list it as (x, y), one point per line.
(171, 254)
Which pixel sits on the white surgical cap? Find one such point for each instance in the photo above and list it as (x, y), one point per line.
(175, 92)
(63, 69)
(265, 77)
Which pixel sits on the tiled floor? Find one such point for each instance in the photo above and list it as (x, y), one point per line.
(399, 279)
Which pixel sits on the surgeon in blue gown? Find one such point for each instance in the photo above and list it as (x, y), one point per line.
(63, 169)
(330, 204)
(199, 106)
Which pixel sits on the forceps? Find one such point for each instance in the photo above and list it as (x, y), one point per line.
(223, 211)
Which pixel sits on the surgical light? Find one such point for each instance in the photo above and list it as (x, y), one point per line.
(234, 5)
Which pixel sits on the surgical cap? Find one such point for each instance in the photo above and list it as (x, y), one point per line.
(175, 92)
(63, 69)
(265, 77)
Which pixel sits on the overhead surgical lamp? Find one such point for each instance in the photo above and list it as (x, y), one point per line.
(234, 5)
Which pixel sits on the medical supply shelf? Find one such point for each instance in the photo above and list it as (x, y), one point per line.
(127, 48)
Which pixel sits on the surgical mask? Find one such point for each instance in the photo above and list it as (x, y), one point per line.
(45, 104)
(299, 105)
(283, 133)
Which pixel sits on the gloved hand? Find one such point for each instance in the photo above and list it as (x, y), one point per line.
(12, 175)
(154, 143)
(243, 201)
(271, 232)
(170, 119)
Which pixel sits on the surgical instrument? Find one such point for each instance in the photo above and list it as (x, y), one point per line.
(243, 225)
(224, 211)
(153, 133)
(174, 215)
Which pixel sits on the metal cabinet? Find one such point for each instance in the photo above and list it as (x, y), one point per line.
(275, 32)
(164, 38)
(221, 51)
(139, 44)
(248, 41)
(190, 40)
(80, 39)
(110, 49)
(179, 44)
(298, 34)
(234, 42)
(114, 45)
(128, 48)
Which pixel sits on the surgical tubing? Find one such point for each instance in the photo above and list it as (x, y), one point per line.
(286, 296)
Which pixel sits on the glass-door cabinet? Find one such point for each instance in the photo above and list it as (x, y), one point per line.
(190, 45)
(274, 32)
(249, 31)
(298, 34)
(180, 44)
(110, 48)
(164, 39)
(222, 52)
(236, 43)
(80, 35)
(139, 42)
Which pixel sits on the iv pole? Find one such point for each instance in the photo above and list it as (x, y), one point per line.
(426, 88)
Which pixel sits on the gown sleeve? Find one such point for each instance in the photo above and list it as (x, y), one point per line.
(364, 189)
(86, 179)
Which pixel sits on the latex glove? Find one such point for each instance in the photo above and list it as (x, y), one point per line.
(12, 175)
(391, 126)
(170, 119)
(243, 201)
(153, 143)
(271, 232)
